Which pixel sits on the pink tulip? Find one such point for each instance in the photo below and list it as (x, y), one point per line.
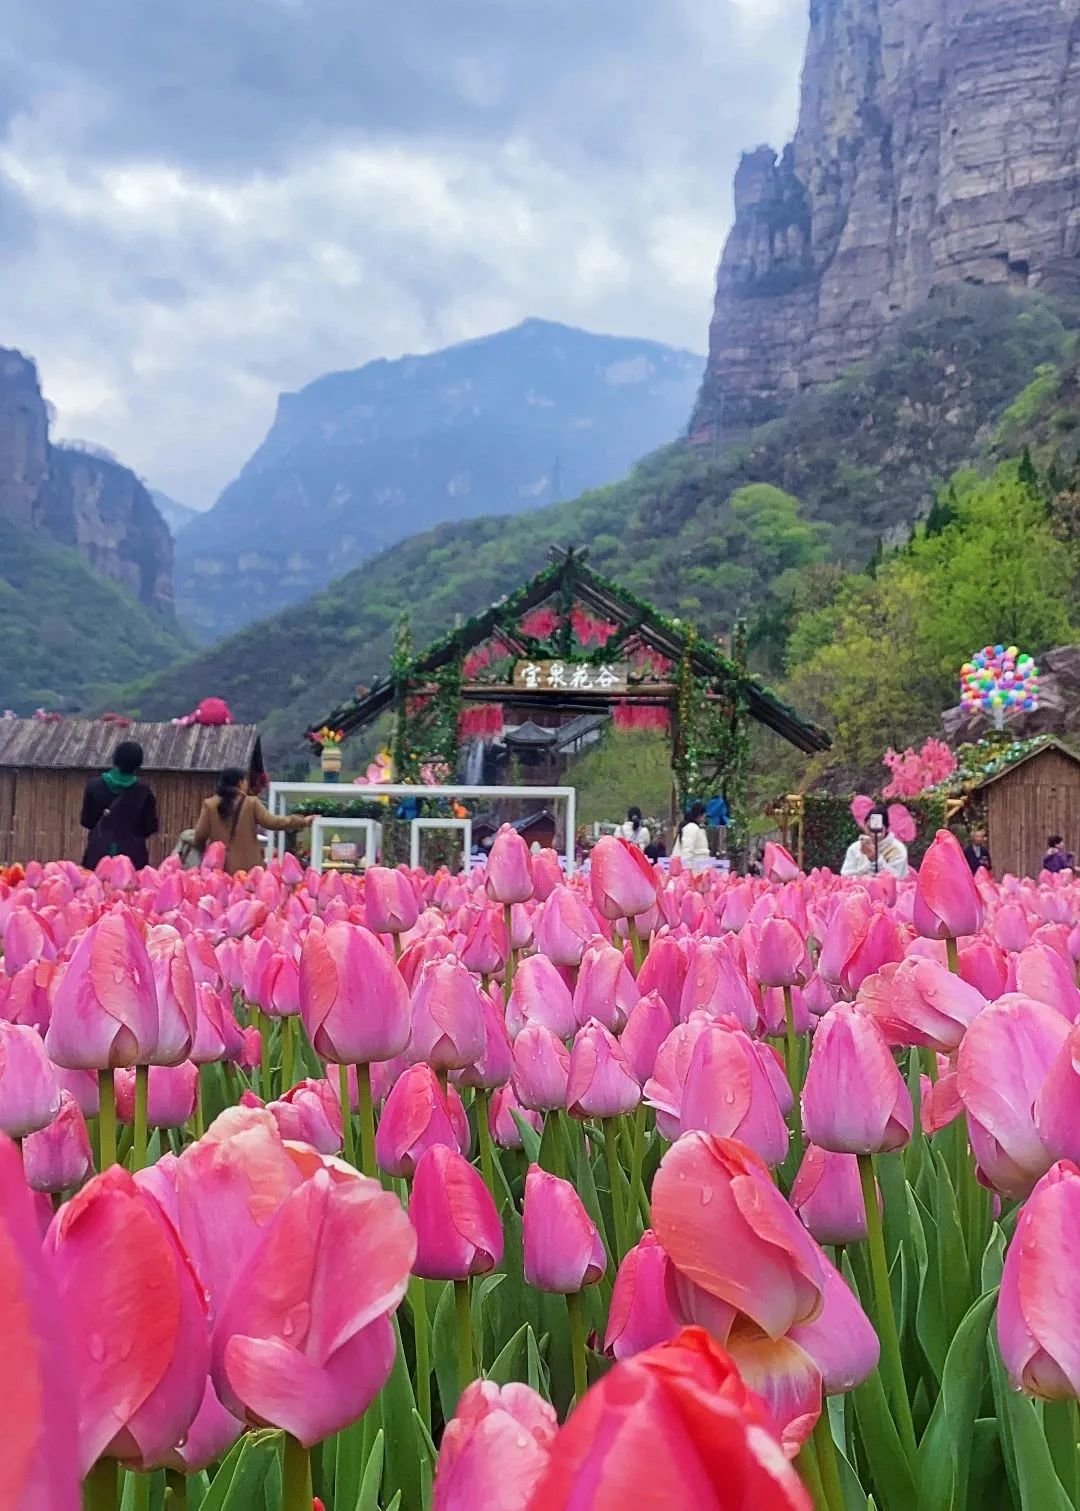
(310, 1113)
(104, 1011)
(726, 1228)
(38, 1469)
(920, 1002)
(59, 1157)
(26, 941)
(208, 1044)
(664, 1088)
(947, 902)
(1057, 1105)
(175, 986)
(827, 1195)
(494, 1449)
(855, 1101)
(501, 1122)
(779, 864)
(1011, 928)
(640, 1315)
(281, 987)
(605, 988)
(170, 1095)
(665, 971)
(486, 947)
(1042, 973)
(303, 1341)
(389, 901)
(24, 997)
(415, 1116)
(354, 1004)
(540, 995)
(541, 1069)
(494, 1067)
(728, 1092)
(1038, 1321)
(647, 1026)
(841, 1340)
(83, 1087)
(565, 927)
(29, 1095)
(547, 874)
(785, 1378)
(622, 883)
(983, 966)
(447, 1017)
(1007, 1055)
(509, 868)
(941, 1104)
(716, 984)
(564, 1252)
(458, 1232)
(600, 1083)
(781, 954)
(137, 1319)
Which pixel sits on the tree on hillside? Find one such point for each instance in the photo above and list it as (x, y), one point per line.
(778, 535)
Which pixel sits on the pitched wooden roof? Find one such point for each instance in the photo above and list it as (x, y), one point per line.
(88, 744)
(1039, 748)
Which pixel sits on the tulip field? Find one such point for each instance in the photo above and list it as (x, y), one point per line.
(514, 1192)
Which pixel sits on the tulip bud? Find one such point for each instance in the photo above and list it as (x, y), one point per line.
(495, 1447)
(458, 1232)
(415, 1116)
(29, 1095)
(600, 1083)
(716, 984)
(494, 1066)
(104, 1011)
(565, 927)
(389, 901)
(509, 868)
(174, 983)
(170, 1095)
(623, 884)
(1036, 1322)
(447, 1017)
(605, 989)
(353, 1001)
(728, 1092)
(947, 902)
(564, 1252)
(640, 1315)
(59, 1157)
(780, 954)
(540, 995)
(647, 1026)
(504, 1130)
(827, 1195)
(855, 1100)
(310, 1113)
(541, 1069)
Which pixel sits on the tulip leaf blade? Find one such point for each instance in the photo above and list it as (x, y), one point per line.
(371, 1484)
(510, 1363)
(993, 1260)
(241, 1480)
(1028, 1460)
(945, 1450)
(530, 1139)
(401, 1468)
(893, 1477)
(444, 1350)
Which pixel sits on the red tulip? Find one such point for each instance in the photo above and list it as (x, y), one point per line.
(389, 901)
(920, 1002)
(827, 1195)
(727, 1229)
(947, 902)
(540, 995)
(541, 1069)
(841, 1340)
(780, 954)
(1038, 1318)
(647, 1026)
(104, 1010)
(622, 883)
(137, 1319)
(415, 1116)
(303, 1340)
(447, 1017)
(504, 1130)
(605, 989)
(600, 1083)
(565, 927)
(563, 1248)
(29, 1095)
(354, 1004)
(855, 1101)
(175, 986)
(683, 1407)
(1006, 1057)
(170, 1095)
(728, 1092)
(38, 1469)
(494, 1449)
(509, 868)
(640, 1315)
(716, 984)
(458, 1232)
(59, 1157)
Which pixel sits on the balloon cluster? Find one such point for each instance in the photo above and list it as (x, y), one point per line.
(997, 680)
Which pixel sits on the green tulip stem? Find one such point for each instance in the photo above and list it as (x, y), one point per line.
(795, 1079)
(463, 1313)
(952, 954)
(142, 1093)
(296, 1493)
(106, 1120)
(367, 1121)
(346, 1112)
(809, 1472)
(140, 1488)
(200, 1120)
(637, 944)
(175, 1490)
(892, 1365)
(614, 1171)
(637, 1157)
(422, 1344)
(483, 1130)
(577, 1344)
(288, 1051)
(828, 1465)
(102, 1485)
(511, 958)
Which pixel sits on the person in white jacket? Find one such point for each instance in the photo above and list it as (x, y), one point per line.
(876, 849)
(634, 831)
(692, 842)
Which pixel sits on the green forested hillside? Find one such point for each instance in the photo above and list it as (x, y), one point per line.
(757, 526)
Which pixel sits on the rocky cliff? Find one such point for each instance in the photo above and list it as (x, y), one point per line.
(937, 144)
(78, 497)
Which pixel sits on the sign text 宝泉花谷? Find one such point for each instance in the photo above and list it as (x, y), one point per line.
(570, 677)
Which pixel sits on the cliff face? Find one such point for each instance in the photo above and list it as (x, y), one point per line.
(80, 499)
(937, 144)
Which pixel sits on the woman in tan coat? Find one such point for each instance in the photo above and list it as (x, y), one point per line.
(235, 817)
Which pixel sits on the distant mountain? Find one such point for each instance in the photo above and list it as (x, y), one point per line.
(357, 461)
(176, 516)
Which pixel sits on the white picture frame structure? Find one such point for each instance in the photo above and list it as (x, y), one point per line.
(462, 824)
(322, 826)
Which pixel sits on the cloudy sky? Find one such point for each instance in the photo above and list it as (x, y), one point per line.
(206, 202)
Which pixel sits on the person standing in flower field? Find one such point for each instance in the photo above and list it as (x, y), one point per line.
(876, 850)
(234, 817)
(635, 831)
(118, 810)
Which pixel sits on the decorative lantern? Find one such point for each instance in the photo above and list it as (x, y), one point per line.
(330, 742)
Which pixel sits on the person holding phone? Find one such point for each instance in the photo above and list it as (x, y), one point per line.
(876, 850)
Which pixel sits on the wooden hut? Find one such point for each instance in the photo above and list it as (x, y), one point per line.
(1025, 802)
(44, 766)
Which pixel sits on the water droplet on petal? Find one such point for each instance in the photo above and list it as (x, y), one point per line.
(96, 1347)
(706, 1195)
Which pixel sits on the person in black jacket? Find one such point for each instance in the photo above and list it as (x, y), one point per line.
(976, 854)
(118, 810)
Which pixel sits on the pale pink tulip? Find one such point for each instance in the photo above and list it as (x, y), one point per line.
(920, 1002)
(565, 927)
(494, 1449)
(29, 1094)
(947, 902)
(622, 883)
(1057, 1104)
(59, 1157)
(509, 868)
(563, 1248)
(716, 984)
(447, 1017)
(855, 1100)
(600, 1083)
(605, 988)
(104, 1009)
(353, 1001)
(1038, 1318)
(170, 1095)
(389, 901)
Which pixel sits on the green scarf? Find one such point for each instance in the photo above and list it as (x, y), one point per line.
(117, 781)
